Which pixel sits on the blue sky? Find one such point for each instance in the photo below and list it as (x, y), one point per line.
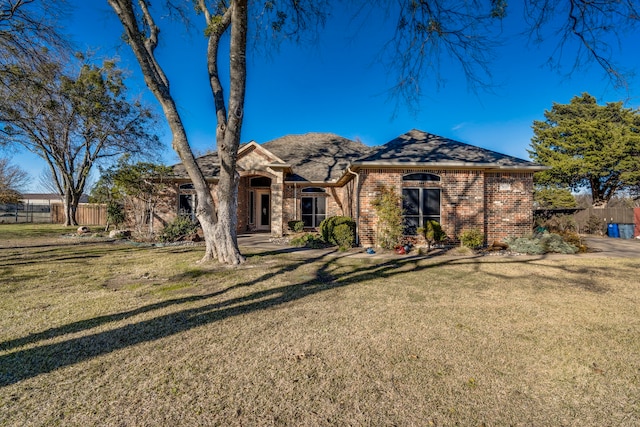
(335, 85)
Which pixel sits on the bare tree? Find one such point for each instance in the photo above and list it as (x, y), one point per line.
(221, 17)
(71, 120)
(13, 180)
(428, 32)
(28, 31)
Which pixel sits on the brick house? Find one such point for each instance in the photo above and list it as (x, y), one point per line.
(313, 176)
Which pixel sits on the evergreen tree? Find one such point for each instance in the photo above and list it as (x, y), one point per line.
(590, 146)
(551, 197)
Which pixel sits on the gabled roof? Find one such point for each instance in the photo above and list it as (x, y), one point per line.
(317, 157)
(325, 157)
(418, 148)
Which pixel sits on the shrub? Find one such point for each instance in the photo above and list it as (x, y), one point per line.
(525, 245)
(432, 232)
(328, 226)
(115, 214)
(344, 236)
(554, 243)
(560, 224)
(571, 238)
(309, 240)
(547, 243)
(390, 226)
(472, 238)
(178, 229)
(296, 226)
(595, 225)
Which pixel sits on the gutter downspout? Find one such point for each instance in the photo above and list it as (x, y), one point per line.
(357, 195)
(295, 201)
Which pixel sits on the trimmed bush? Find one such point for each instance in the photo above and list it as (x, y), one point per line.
(472, 238)
(327, 228)
(295, 226)
(178, 229)
(344, 236)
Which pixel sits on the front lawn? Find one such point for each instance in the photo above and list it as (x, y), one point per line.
(110, 334)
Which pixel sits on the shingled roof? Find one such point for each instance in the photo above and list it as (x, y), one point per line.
(324, 157)
(417, 147)
(317, 157)
(209, 164)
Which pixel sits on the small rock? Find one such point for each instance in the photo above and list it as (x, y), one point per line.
(119, 234)
(499, 246)
(194, 238)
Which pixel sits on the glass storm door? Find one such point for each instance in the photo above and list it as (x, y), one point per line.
(263, 213)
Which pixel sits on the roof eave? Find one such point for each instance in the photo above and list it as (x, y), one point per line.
(449, 165)
(331, 183)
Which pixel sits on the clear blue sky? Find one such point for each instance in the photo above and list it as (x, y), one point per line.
(335, 85)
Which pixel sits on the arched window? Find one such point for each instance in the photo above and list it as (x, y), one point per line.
(261, 181)
(314, 190)
(421, 177)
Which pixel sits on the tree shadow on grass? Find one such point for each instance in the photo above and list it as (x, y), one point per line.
(28, 363)
(62, 253)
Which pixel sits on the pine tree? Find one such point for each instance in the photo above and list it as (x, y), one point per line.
(590, 146)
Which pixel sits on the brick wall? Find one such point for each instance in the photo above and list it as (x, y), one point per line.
(509, 201)
(339, 201)
(469, 199)
(371, 180)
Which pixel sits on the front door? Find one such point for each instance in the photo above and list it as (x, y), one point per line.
(263, 210)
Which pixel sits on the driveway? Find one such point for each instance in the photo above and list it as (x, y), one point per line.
(606, 246)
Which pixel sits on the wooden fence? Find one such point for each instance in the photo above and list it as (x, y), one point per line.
(87, 214)
(606, 215)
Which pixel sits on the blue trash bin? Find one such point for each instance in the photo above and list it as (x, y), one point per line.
(612, 230)
(626, 231)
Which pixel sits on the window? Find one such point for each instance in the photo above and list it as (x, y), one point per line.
(420, 205)
(313, 190)
(252, 207)
(423, 177)
(187, 201)
(314, 210)
(187, 206)
(261, 181)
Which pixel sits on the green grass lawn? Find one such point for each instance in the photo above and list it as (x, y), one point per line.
(110, 334)
(29, 231)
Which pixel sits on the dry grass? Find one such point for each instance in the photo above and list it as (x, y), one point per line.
(115, 335)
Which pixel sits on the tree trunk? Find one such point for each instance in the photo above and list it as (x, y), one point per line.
(228, 139)
(70, 204)
(220, 236)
